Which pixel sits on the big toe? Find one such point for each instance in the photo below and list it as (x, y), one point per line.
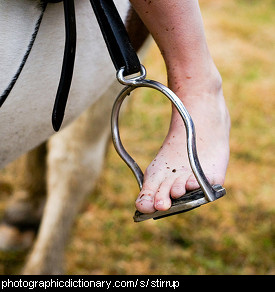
(145, 202)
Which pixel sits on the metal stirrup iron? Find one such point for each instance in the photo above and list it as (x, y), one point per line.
(126, 63)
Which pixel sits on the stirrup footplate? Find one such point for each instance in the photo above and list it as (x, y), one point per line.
(187, 202)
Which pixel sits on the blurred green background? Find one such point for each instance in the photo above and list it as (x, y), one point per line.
(235, 235)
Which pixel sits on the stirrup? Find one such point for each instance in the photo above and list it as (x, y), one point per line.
(189, 201)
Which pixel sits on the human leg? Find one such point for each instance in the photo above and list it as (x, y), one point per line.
(178, 30)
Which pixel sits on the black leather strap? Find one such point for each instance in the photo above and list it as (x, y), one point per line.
(116, 37)
(67, 66)
(117, 40)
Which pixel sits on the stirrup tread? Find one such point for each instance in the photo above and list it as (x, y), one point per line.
(187, 202)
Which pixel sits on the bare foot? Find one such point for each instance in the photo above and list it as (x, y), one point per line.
(169, 174)
(178, 30)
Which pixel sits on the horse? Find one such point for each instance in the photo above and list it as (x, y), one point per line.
(60, 168)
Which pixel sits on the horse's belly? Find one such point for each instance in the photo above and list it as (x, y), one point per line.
(25, 117)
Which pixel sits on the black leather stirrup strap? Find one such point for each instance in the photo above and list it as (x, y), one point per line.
(117, 40)
(116, 37)
(67, 66)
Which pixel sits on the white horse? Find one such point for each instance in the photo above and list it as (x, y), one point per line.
(68, 166)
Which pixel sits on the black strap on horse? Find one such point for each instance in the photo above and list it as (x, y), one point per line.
(67, 66)
(116, 37)
(117, 40)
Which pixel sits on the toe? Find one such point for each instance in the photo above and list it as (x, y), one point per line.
(218, 179)
(178, 188)
(145, 201)
(162, 197)
(192, 183)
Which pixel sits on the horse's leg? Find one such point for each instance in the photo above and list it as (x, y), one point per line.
(74, 162)
(24, 210)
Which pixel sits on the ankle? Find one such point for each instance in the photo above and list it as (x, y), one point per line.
(195, 82)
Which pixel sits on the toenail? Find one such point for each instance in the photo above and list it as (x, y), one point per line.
(144, 198)
(159, 203)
